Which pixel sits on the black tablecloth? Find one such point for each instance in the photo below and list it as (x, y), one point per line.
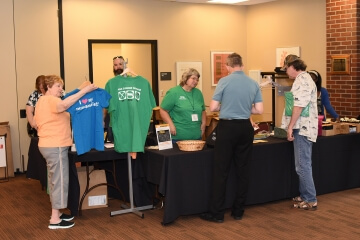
(336, 163)
(184, 178)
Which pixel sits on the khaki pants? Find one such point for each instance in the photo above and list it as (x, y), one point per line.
(57, 162)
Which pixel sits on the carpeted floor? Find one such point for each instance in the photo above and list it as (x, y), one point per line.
(25, 212)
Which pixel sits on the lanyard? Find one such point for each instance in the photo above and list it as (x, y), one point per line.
(192, 95)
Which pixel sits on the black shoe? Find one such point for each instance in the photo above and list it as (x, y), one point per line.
(62, 224)
(211, 218)
(237, 215)
(66, 217)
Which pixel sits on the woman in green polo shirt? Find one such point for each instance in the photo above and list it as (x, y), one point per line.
(183, 108)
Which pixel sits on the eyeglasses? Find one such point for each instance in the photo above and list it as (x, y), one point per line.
(121, 57)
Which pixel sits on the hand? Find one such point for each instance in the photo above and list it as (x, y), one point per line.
(33, 124)
(202, 129)
(337, 119)
(172, 129)
(89, 88)
(290, 136)
(84, 84)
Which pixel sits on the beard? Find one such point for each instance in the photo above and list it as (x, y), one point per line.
(118, 71)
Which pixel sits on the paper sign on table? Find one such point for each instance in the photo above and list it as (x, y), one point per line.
(163, 136)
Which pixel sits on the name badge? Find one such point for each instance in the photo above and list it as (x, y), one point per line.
(194, 117)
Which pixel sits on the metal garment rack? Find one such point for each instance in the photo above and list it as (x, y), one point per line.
(132, 208)
(273, 75)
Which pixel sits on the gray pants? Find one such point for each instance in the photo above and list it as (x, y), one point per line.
(57, 162)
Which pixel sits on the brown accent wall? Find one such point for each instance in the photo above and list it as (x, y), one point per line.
(342, 37)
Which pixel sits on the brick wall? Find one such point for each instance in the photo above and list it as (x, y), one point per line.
(342, 37)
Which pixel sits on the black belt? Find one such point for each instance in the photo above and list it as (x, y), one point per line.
(233, 119)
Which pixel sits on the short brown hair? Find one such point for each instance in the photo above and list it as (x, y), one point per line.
(187, 74)
(51, 79)
(234, 59)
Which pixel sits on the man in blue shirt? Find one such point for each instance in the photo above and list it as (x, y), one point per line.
(236, 97)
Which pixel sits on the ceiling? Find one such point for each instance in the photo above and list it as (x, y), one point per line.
(249, 2)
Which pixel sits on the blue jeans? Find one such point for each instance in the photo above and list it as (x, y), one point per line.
(303, 166)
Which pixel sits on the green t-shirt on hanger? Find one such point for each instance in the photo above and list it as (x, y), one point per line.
(130, 111)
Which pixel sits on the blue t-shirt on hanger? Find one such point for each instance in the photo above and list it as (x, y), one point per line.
(87, 120)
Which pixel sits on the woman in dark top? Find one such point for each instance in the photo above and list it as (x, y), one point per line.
(323, 97)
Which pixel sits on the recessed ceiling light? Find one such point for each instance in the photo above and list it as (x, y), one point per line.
(226, 1)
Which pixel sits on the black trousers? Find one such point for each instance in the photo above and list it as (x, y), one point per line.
(234, 142)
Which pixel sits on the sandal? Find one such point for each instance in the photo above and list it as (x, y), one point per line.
(297, 199)
(312, 206)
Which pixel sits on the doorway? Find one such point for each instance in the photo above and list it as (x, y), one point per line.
(141, 56)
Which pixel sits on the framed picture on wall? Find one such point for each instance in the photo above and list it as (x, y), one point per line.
(218, 67)
(281, 54)
(340, 64)
(181, 67)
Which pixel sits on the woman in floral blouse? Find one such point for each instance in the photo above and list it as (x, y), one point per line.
(31, 103)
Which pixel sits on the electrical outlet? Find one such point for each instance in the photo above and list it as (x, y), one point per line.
(22, 113)
(161, 93)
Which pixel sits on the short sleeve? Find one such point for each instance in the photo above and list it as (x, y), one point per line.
(168, 102)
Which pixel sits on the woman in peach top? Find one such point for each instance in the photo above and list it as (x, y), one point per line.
(53, 123)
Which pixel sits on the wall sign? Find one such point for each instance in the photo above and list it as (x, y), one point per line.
(282, 52)
(340, 64)
(218, 66)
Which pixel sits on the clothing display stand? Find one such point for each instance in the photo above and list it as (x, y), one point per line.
(132, 209)
(273, 75)
(3, 158)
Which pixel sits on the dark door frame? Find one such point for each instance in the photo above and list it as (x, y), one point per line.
(154, 59)
(154, 54)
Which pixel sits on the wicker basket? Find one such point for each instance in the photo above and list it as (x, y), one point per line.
(191, 145)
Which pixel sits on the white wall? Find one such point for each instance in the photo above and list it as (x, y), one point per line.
(8, 81)
(185, 32)
(29, 47)
(286, 23)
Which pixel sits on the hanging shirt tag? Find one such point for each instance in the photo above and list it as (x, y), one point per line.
(194, 117)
